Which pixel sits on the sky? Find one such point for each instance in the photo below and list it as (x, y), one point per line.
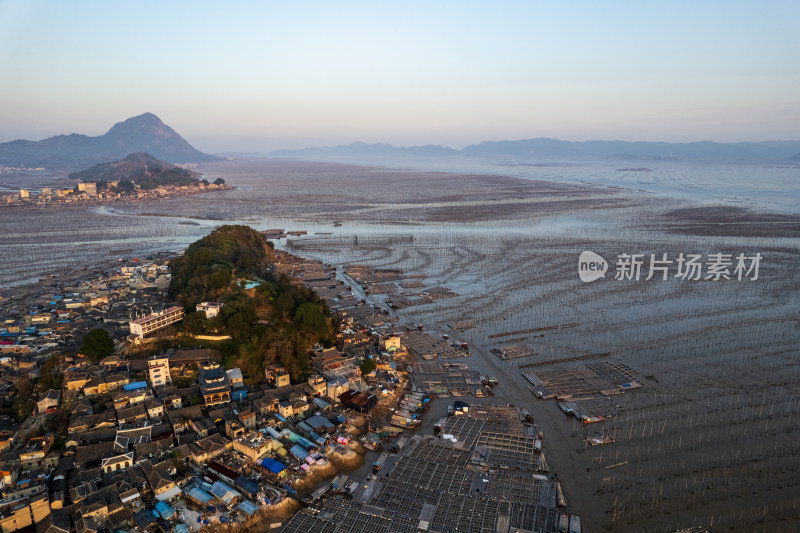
(263, 76)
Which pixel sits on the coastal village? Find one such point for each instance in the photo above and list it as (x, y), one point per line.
(88, 192)
(170, 439)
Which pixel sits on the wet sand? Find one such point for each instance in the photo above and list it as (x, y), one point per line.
(695, 445)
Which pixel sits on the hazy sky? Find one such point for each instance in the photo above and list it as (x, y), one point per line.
(268, 75)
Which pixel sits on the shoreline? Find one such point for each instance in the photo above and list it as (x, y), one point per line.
(355, 460)
(88, 201)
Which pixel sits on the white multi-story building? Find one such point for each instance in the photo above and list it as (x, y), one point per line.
(141, 327)
(211, 309)
(158, 370)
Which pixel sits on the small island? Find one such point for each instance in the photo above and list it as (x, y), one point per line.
(136, 176)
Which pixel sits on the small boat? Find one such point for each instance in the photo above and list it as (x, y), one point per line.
(593, 419)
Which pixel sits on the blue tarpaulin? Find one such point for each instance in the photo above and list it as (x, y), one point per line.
(273, 465)
(136, 385)
(165, 510)
(239, 394)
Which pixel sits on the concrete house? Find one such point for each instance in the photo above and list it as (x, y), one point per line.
(277, 376)
(48, 403)
(158, 372)
(33, 455)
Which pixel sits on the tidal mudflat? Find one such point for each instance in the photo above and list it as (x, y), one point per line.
(711, 439)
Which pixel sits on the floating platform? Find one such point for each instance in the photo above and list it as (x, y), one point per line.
(513, 351)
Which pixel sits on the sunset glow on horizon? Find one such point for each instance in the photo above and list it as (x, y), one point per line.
(266, 76)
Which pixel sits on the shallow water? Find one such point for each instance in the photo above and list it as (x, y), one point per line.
(774, 187)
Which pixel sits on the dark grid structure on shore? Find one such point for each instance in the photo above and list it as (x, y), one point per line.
(435, 485)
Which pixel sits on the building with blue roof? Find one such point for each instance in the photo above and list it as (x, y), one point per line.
(224, 492)
(274, 466)
(247, 507)
(307, 444)
(249, 487)
(322, 404)
(144, 518)
(199, 496)
(164, 510)
(320, 424)
(239, 394)
(298, 452)
(273, 433)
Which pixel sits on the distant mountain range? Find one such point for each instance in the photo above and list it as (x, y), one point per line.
(553, 148)
(143, 133)
(147, 133)
(360, 149)
(141, 168)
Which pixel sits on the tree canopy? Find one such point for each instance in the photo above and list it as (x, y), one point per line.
(209, 265)
(277, 322)
(368, 366)
(97, 344)
(49, 376)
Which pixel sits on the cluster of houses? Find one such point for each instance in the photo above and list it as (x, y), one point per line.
(88, 191)
(134, 443)
(60, 313)
(141, 438)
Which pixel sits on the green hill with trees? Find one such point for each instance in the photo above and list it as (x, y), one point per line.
(275, 322)
(139, 168)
